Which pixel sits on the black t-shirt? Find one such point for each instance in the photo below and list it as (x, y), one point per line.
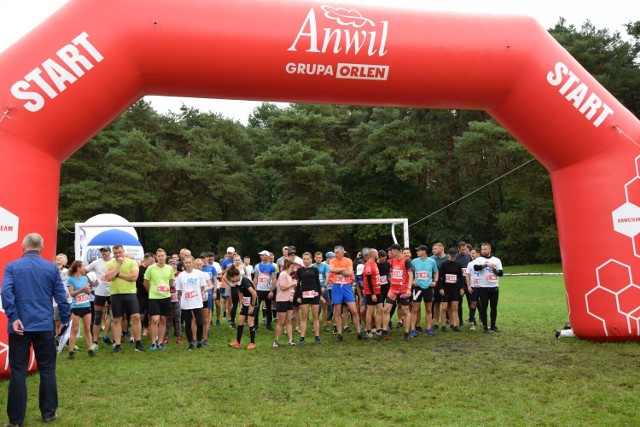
(308, 280)
(243, 288)
(384, 268)
(448, 272)
(464, 260)
(140, 280)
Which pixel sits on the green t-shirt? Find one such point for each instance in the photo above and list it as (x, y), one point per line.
(119, 285)
(159, 281)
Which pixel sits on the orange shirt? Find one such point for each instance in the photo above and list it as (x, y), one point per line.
(339, 279)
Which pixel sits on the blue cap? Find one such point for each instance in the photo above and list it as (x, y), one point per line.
(330, 255)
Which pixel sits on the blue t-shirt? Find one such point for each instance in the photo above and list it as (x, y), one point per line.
(424, 271)
(82, 299)
(439, 261)
(323, 269)
(226, 263)
(211, 272)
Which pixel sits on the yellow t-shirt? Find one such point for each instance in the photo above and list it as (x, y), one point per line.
(119, 285)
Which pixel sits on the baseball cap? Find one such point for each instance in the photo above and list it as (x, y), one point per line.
(292, 249)
(452, 251)
(330, 255)
(264, 253)
(203, 255)
(231, 249)
(395, 246)
(422, 248)
(105, 248)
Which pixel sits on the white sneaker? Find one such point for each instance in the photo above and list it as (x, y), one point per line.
(472, 327)
(275, 344)
(94, 347)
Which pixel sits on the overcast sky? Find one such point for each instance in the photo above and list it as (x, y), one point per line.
(18, 17)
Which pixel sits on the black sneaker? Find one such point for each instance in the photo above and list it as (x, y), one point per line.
(443, 329)
(455, 329)
(91, 353)
(318, 340)
(107, 340)
(199, 345)
(71, 355)
(269, 328)
(338, 338)
(419, 329)
(361, 337)
(494, 329)
(301, 341)
(116, 349)
(50, 419)
(486, 330)
(335, 330)
(435, 326)
(191, 346)
(140, 348)
(390, 325)
(400, 325)
(347, 330)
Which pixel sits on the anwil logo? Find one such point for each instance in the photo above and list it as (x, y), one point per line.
(354, 35)
(343, 39)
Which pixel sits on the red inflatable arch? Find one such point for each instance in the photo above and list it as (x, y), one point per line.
(85, 65)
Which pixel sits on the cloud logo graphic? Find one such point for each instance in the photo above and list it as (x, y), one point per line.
(346, 16)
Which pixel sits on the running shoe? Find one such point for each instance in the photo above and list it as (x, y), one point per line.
(292, 343)
(335, 330)
(131, 342)
(162, 347)
(140, 348)
(435, 326)
(107, 340)
(94, 347)
(276, 344)
(71, 355)
(472, 327)
(369, 335)
(486, 330)
(153, 347)
(318, 340)
(384, 336)
(301, 341)
(443, 329)
(455, 329)
(361, 337)
(199, 345)
(269, 328)
(325, 328)
(91, 353)
(412, 333)
(406, 337)
(205, 342)
(192, 345)
(264, 322)
(217, 322)
(429, 332)
(347, 330)
(494, 329)
(179, 340)
(419, 329)
(234, 344)
(251, 346)
(338, 338)
(400, 325)
(297, 331)
(116, 349)
(232, 325)
(390, 325)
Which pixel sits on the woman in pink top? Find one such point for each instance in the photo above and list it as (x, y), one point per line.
(284, 301)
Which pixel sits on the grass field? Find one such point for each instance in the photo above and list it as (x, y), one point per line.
(522, 376)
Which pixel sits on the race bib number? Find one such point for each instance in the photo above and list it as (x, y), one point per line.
(464, 270)
(82, 298)
(263, 280)
(190, 294)
(321, 277)
(163, 289)
(174, 296)
(492, 277)
(476, 281)
(205, 296)
(291, 297)
(396, 274)
(309, 294)
(450, 278)
(340, 279)
(383, 280)
(246, 301)
(423, 275)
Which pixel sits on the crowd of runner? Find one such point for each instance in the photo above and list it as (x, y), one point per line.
(125, 300)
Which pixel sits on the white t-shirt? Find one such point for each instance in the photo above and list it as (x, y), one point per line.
(97, 266)
(191, 285)
(485, 278)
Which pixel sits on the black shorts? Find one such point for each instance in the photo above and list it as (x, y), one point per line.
(244, 311)
(124, 303)
(473, 296)
(284, 306)
(369, 300)
(160, 307)
(81, 311)
(143, 301)
(451, 293)
(314, 301)
(418, 295)
(216, 295)
(384, 291)
(100, 301)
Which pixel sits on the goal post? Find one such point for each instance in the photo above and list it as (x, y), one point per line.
(79, 227)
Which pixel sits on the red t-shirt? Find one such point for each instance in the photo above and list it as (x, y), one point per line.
(372, 273)
(399, 273)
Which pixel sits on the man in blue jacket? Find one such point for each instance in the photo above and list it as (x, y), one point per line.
(28, 287)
